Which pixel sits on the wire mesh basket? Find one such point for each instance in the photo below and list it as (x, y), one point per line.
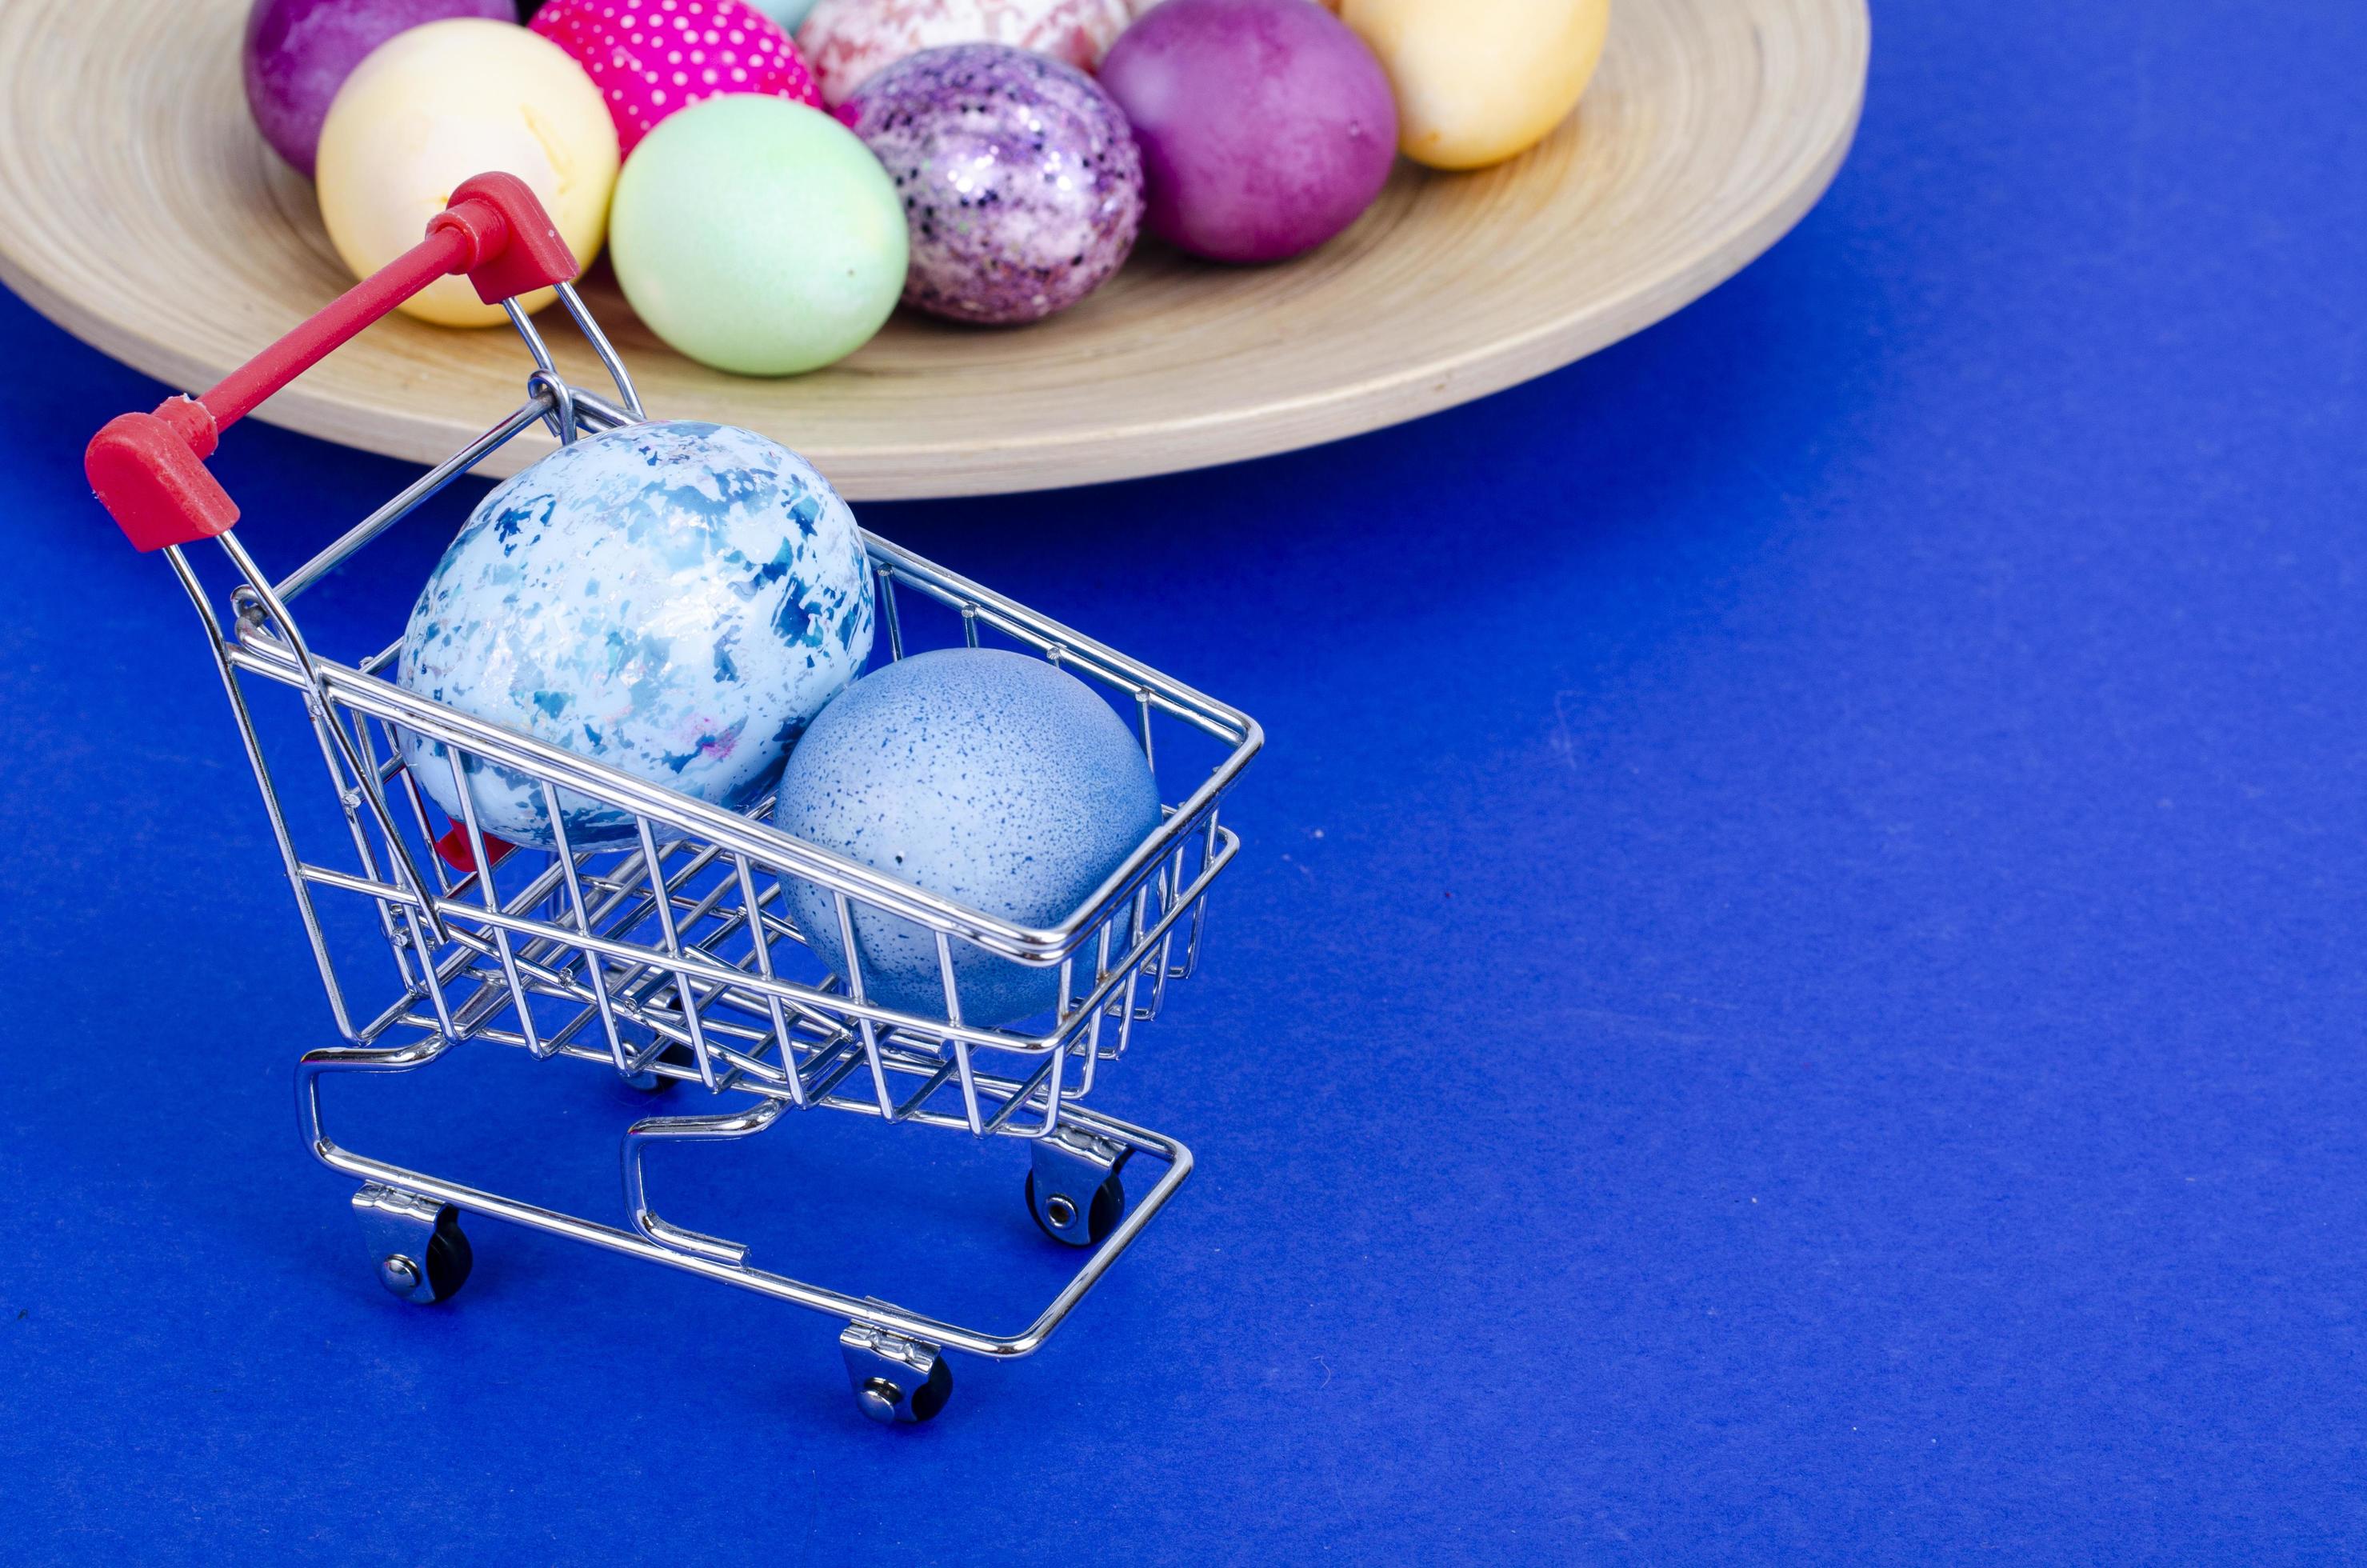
(672, 958)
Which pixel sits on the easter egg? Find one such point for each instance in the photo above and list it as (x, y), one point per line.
(299, 53)
(786, 12)
(436, 105)
(676, 600)
(650, 57)
(846, 40)
(1019, 177)
(987, 778)
(1265, 126)
(758, 236)
(1480, 80)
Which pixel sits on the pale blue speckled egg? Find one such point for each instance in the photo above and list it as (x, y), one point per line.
(676, 600)
(988, 778)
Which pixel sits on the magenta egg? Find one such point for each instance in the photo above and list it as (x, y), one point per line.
(1266, 126)
(651, 58)
(299, 53)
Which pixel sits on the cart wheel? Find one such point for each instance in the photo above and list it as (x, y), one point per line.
(883, 1402)
(415, 1243)
(1057, 1216)
(895, 1378)
(449, 1259)
(656, 1083)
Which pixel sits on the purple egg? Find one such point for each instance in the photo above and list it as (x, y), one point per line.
(299, 53)
(1266, 126)
(1019, 178)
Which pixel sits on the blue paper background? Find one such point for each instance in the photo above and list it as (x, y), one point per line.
(1795, 990)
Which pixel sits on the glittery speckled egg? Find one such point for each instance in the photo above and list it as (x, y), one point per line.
(1019, 178)
(985, 777)
(651, 58)
(674, 600)
(846, 40)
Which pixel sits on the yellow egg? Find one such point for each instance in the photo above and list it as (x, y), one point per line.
(431, 106)
(1480, 80)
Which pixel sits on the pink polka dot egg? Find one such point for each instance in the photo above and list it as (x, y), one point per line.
(650, 57)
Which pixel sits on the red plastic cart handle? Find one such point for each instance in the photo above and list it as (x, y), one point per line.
(149, 470)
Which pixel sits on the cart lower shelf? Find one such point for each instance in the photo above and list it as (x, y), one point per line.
(894, 1359)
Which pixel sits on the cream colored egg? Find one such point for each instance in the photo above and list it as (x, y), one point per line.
(436, 105)
(1480, 80)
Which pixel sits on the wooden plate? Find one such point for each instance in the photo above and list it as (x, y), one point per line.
(141, 210)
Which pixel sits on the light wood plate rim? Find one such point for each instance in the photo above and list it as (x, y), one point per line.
(870, 423)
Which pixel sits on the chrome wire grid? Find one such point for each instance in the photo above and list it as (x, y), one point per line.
(673, 958)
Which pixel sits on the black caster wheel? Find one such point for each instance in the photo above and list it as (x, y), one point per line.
(895, 1381)
(656, 1083)
(934, 1392)
(449, 1259)
(883, 1402)
(446, 1268)
(1057, 1218)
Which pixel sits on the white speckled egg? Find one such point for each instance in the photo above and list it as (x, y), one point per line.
(846, 40)
(674, 600)
(985, 777)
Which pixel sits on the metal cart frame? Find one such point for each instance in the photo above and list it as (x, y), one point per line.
(673, 958)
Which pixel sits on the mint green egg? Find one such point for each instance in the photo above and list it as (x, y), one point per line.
(758, 236)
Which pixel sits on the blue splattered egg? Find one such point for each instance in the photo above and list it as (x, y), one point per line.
(676, 600)
(988, 778)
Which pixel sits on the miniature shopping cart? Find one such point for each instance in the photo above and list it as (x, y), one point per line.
(671, 960)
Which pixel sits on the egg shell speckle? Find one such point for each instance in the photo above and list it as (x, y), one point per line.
(651, 58)
(674, 600)
(847, 41)
(986, 777)
(1019, 178)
